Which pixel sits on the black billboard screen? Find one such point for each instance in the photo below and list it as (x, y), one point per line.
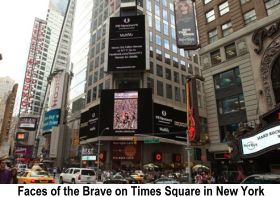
(126, 112)
(127, 45)
(89, 123)
(169, 122)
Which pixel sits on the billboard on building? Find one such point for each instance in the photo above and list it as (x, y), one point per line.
(32, 66)
(89, 123)
(127, 44)
(169, 122)
(51, 119)
(125, 150)
(56, 91)
(186, 33)
(27, 123)
(126, 112)
(23, 151)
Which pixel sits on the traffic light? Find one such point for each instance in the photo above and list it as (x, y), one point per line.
(158, 156)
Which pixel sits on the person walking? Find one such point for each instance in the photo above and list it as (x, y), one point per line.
(54, 171)
(14, 179)
(5, 174)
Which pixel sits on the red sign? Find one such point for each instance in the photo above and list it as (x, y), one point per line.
(177, 158)
(278, 115)
(158, 156)
(102, 156)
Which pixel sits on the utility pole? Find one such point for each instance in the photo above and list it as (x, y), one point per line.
(192, 123)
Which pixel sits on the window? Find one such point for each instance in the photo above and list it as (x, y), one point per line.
(150, 83)
(100, 88)
(230, 51)
(169, 91)
(231, 104)
(207, 1)
(151, 67)
(176, 77)
(244, 1)
(159, 71)
(175, 62)
(159, 55)
(177, 94)
(227, 29)
(164, 15)
(167, 59)
(168, 73)
(227, 79)
(157, 10)
(94, 93)
(88, 96)
(149, 5)
(157, 25)
(210, 16)
(226, 130)
(213, 36)
(159, 88)
(166, 44)
(223, 8)
(216, 57)
(250, 17)
(158, 40)
(271, 6)
(165, 29)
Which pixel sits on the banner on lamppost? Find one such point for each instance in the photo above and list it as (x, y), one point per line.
(186, 34)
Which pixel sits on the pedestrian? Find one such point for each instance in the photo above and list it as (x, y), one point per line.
(14, 179)
(5, 174)
(54, 171)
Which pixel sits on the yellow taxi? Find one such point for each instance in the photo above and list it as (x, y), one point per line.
(35, 176)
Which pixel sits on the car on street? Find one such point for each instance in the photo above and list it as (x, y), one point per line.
(78, 175)
(262, 179)
(21, 167)
(165, 180)
(35, 176)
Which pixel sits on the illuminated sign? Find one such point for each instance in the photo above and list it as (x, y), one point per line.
(51, 119)
(27, 123)
(262, 141)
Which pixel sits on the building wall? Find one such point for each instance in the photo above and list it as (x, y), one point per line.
(247, 60)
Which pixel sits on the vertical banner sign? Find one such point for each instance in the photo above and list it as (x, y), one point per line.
(56, 91)
(127, 46)
(190, 118)
(185, 24)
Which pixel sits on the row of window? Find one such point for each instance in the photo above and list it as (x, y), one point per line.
(230, 52)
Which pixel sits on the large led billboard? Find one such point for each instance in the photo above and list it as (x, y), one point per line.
(127, 44)
(126, 112)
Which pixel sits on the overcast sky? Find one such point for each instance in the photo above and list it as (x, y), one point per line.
(16, 23)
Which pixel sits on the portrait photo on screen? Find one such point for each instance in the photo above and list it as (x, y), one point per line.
(125, 111)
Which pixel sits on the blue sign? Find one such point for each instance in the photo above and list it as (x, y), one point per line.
(52, 118)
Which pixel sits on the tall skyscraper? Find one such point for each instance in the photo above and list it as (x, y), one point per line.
(167, 70)
(239, 40)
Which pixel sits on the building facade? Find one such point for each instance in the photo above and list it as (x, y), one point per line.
(240, 71)
(166, 75)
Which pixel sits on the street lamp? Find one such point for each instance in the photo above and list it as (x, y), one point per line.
(190, 125)
(98, 148)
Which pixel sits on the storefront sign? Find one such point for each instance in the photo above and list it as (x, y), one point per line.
(263, 141)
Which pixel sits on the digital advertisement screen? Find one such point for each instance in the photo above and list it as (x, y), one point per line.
(127, 44)
(27, 123)
(126, 112)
